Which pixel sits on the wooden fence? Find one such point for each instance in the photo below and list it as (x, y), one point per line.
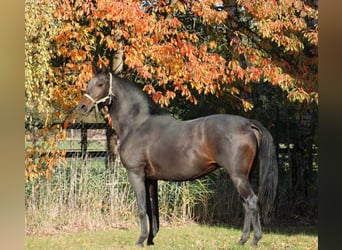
(83, 152)
(82, 137)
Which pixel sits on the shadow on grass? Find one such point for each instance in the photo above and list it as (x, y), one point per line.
(284, 228)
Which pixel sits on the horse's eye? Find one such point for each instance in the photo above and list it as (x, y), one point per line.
(100, 84)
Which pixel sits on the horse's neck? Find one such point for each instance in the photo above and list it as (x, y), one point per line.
(127, 117)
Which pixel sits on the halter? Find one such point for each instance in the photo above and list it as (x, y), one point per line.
(109, 96)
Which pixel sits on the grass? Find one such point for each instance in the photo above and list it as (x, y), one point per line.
(191, 236)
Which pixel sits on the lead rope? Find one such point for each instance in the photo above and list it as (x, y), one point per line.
(110, 92)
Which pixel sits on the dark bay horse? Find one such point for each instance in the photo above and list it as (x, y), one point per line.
(155, 146)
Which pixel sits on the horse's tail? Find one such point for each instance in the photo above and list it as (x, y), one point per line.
(268, 170)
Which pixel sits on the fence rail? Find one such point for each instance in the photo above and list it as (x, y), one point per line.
(89, 154)
(85, 125)
(81, 137)
(84, 152)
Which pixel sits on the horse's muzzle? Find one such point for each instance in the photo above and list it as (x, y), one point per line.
(84, 107)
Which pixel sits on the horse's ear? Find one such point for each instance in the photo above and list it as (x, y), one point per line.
(103, 70)
(95, 68)
(99, 70)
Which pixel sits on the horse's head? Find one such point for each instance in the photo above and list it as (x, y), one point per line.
(99, 92)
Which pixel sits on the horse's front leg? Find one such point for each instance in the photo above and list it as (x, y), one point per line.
(155, 208)
(152, 208)
(137, 181)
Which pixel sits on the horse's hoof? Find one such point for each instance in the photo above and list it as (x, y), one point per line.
(138, 244)
(254, 244)
(241, 242)
(150, 243)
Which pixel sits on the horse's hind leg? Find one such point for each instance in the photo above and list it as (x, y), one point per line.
(250, 204)
(246, 225)
(152, 209)
(238, 166)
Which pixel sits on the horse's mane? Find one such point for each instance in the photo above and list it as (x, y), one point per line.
(145, 100)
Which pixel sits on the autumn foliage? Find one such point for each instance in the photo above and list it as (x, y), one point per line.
(176, 48)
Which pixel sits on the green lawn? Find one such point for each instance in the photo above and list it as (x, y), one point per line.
(181, 237)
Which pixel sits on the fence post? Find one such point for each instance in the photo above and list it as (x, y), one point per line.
(84, 140)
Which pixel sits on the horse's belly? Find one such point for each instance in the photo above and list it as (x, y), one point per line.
(180, 154)
(179, 167)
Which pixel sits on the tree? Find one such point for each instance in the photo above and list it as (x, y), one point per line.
(40, 28)
(39, 77)
(184, 49)
(263, 41)
(278, 42)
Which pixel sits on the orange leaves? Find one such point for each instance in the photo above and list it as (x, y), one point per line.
(158, 46)
(247, 105)
(274, 47)
(283, 22)
(65, 124)
(183, 65)
(133, 59)
(311, 36)
(298, 95)
(176, 59)
(236, 70)
(158, 97)
(149, 89)
(111, 43)
(64, 99)
(212, 45)
(78, 55)
(253, 74)
(85, 75)
(120, 12)
(205, 10)
(71, 10)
